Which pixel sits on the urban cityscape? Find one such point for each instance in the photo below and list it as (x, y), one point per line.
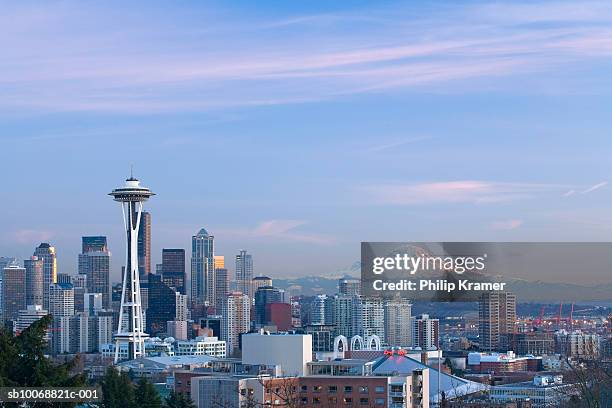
(214, 338)
(233, 204)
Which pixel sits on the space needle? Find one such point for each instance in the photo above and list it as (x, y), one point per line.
(131, 326)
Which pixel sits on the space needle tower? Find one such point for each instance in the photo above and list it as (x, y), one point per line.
(131, 329)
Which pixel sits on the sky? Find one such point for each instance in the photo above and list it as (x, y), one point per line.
(296, 130)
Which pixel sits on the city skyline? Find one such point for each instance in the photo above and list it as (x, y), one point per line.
(284, 131)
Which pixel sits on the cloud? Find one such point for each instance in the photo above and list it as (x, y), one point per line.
(278, 230)
(506, 224)
(397, 143)
(75, 56)
(462, 191)
(28, 236)
(594, 187)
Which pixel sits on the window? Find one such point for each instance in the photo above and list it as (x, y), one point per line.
(316, 400)
(243, 392)
(304, 400)
(380, 389)
(332, 400)
(304, 388)
(348, 388)
(317, 388)
(364, 401)
(332, 389)
(397, 388)
(363, 389)
(380, 401)
(348, 400)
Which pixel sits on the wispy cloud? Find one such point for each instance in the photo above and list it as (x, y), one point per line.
(278, 229)
(462, 191)
(397, 143)
(507, 225)
(594, 187)
(51, 62)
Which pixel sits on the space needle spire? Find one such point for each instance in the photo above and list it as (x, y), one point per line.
(131, 325)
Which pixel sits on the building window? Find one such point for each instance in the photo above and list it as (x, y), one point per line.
(348, 388)
(348, 400)
(332, 400)
(379, 389)
(380, 401)
(316, 400)
(363, 389)
(364, 401)
(304, 400)
(304, 388)
(332, 389)
(317, 388)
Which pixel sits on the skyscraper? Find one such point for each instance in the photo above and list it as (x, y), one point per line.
(162, 305)
(369, 317)
(94, 263)
(130, 328)
(61, 299)
(264, 296)
(236, 320)
(398, 322)
(4, 262)
(349, 286)
(221, 287)
(425, 332)
(173, 268)
(244, 272)
(144, 244)
(203, 268)
(13, 291)
(47, 253)
(321, 310)
(496, 318)
(34, 280)
(343, 308)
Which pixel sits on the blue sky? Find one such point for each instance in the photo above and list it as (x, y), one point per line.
(296, 130)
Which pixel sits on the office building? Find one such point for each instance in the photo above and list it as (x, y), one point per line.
(219, 261)
(259, 281)
(144, 244)
(236, 320)
(213, 323)
(398, 315)
(27, 316)
(13, 291)
(61, 299)
(203, 268)
(92, 303)
(4, 262)
(34, 280)
(349, 286)
(177, 329)
(291, 352)
(343, 307)
(162, 305)
(173, 268)
(48, 255)
(323, 336)
(543, 391)
(321, 310)
(221, 286)
(425, 332)
(264, 296)
(94, 263)
(496, 318)
(244, 273)
(94, 244)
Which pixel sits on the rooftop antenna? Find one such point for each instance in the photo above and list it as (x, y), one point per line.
(131, 171)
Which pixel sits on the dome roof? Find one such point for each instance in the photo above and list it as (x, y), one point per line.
(203, 233)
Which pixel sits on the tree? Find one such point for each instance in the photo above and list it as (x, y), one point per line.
(117, 390)
(178, 400)
(146, 395)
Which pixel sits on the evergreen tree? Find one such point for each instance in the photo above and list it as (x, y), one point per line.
(117, 390)
(177, 400)
(146, 395)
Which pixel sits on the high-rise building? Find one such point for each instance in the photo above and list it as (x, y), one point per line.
(343, 307)
(64, 278)
(496, 318)
(349, 286)
(244, 272)
(162, 305)
(173, 268)
(61, 299)
(27, 316)
(34, 280)
(321, 310)
(398, 314)
(92, 303)
(219, 261)
(144, 244)
(203, 268)
(221, 286)
(263, 297)
(236, 320)
(94, 263)
(369, 317)
(48, 255)
(4, 262)
(425, 332)
(13, 291)
(131, 321)
(259, 281)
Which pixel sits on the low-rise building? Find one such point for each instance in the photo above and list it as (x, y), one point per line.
(543, 391)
